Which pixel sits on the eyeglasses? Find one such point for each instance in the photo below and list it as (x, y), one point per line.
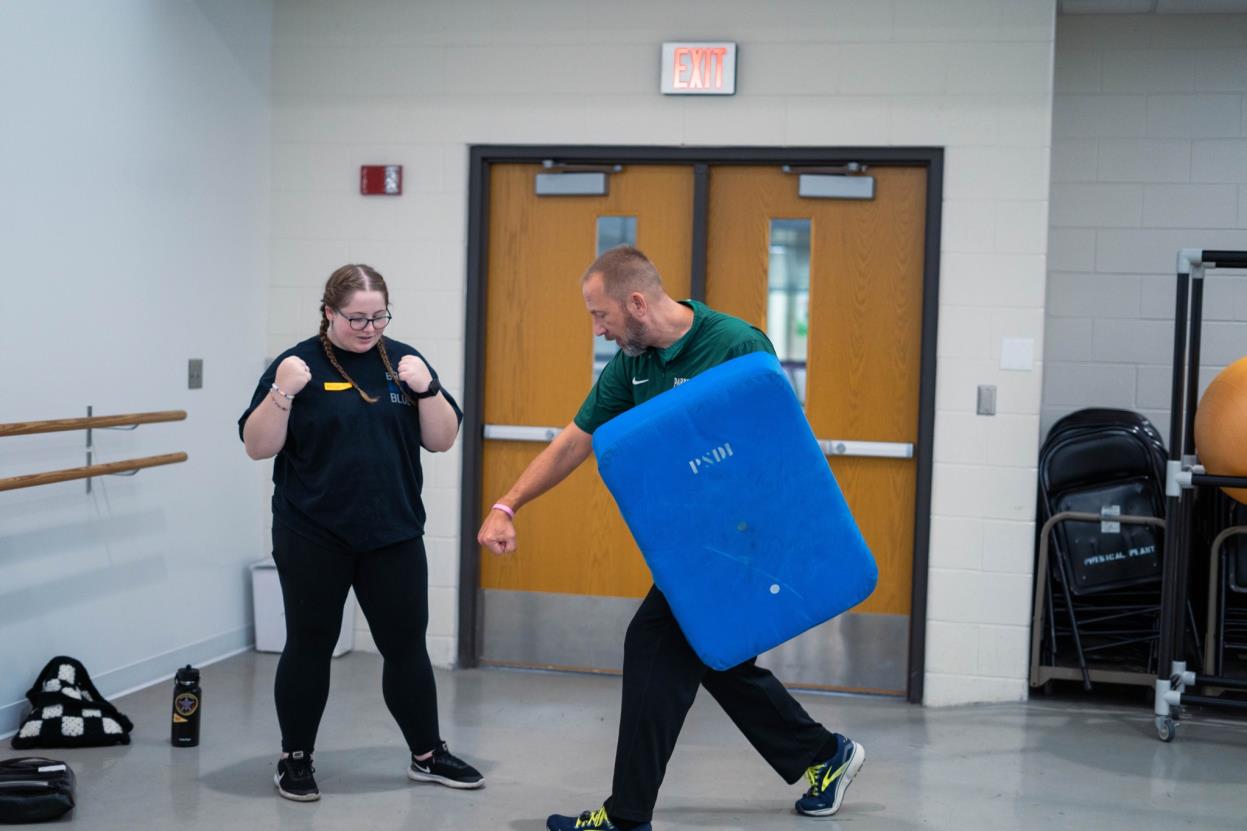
(359, 324)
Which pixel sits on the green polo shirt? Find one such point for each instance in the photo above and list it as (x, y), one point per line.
(713, 338)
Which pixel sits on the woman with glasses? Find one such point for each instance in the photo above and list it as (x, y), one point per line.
(346, 424)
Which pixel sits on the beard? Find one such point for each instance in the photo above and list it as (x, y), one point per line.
(632, 343)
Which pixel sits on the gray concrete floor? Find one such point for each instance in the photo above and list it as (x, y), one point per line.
(545, 742)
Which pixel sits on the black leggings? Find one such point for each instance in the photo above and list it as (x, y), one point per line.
(392, 587)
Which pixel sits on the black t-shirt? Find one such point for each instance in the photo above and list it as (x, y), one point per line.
(349, 474)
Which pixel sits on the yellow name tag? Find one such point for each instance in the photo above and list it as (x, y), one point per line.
(336, 386)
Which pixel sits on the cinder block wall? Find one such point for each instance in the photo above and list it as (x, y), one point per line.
(1149, 155)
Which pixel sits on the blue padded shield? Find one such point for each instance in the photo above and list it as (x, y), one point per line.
(734, 506)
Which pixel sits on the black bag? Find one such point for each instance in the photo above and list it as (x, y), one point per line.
(68, 711)
(33, 789)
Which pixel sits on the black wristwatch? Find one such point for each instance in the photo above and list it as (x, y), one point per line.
(434, 388)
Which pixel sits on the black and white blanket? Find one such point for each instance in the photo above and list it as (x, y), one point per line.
(68, 711)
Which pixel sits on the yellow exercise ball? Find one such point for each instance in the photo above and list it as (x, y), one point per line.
(1221, 426)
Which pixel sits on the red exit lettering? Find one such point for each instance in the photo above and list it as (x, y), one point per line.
(696, 67)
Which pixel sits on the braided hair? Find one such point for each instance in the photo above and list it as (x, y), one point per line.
(338, 290)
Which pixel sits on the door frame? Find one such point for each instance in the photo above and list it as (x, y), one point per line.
(481, 157)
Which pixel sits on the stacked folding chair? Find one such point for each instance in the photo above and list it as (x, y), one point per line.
(1226, 533)
(1103, 588)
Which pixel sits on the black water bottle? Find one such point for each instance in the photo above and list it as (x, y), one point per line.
(187, 697)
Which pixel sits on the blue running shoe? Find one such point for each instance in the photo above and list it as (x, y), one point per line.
(588, 820)
(829, 780)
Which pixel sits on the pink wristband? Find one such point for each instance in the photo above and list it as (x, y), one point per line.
(504, 509)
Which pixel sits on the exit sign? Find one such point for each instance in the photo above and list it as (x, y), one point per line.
(699, 68)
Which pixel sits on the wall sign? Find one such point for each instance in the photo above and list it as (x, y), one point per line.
(696, 68)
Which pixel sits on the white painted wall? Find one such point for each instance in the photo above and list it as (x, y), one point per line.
(418, 83)
(134, 223)
(1149, 156)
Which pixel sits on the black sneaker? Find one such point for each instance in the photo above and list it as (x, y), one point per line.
(445, 768)
(294, 778)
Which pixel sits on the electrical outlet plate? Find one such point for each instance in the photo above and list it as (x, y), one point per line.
(195, 374)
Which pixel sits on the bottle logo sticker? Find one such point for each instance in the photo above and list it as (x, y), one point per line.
(185, 705)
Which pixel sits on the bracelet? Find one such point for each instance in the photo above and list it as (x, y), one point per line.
(284, 395)
(504, 508)
(273, 395)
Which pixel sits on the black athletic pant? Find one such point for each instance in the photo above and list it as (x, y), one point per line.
(392, 587)
(660, 679)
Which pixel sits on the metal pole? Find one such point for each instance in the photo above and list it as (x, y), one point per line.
(1173, 500)
(89, 448)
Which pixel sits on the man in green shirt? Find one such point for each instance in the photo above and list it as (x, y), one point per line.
(662, 343)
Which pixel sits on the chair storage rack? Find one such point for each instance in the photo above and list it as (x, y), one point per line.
(1183, 475)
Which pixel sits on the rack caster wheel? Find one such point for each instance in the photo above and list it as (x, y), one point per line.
(1165, 728)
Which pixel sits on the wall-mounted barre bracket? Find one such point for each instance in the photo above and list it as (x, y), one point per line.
(91, 447)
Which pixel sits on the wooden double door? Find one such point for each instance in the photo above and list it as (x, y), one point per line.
(838, 286)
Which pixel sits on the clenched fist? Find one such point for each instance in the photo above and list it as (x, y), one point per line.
(292, 375)
(497, 532)
(414, 373)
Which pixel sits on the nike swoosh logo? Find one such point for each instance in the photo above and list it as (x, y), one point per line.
(635, 382)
